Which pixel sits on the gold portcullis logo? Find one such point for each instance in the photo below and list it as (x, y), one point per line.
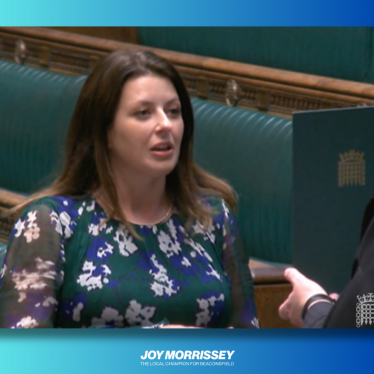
(351, 169)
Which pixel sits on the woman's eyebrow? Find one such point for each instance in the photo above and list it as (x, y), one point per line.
(152, 102)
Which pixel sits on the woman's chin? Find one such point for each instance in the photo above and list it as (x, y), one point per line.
(162, 170)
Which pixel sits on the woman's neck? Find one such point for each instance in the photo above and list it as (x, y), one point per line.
(142, 200)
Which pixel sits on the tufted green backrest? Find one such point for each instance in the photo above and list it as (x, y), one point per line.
(2, 254)
(253, 152)
(337, 52)
(35, 109)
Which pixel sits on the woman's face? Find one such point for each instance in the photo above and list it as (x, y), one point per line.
(146, 135)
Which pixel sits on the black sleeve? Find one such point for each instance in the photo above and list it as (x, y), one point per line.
(235, 262)
(316, 315)
(354, 306)
(368, 216)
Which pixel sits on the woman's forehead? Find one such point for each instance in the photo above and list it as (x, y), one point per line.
(149, 88)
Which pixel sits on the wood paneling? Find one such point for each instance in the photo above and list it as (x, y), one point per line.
(268, 299)
(259, 88)
(120, 34)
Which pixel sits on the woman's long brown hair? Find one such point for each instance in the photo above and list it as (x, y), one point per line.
(86, 165)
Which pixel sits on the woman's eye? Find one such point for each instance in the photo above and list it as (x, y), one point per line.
(142, 113)
(175, 111)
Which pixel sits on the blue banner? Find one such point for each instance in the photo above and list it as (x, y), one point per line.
(191, 13)
(208, 351)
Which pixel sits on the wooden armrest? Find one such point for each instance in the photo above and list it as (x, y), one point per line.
(8, 200)
(263, 273)
(271, 289)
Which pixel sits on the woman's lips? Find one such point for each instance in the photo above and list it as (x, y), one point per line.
(162, 152)
(164, 149)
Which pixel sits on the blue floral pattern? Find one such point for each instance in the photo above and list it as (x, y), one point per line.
(68, 266)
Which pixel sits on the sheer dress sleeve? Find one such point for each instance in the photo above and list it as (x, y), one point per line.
(236, 265)
(32, 273)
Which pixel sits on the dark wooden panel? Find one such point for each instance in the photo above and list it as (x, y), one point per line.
(271, 289)
(268, 299)
(121, 34)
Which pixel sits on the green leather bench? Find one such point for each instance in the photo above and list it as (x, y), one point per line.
(2, 253)
(35, 109)
(252, 151)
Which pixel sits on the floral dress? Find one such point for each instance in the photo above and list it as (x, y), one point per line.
(67, 265)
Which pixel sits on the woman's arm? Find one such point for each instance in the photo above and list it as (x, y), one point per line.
(32, 273)
(236, 262)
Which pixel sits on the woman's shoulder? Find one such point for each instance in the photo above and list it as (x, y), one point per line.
(218, 205)
(61, 212)
(58, 205)
(222, 213)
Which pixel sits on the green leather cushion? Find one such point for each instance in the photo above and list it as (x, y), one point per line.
(2, 254)
(35, 109)
(253, 151)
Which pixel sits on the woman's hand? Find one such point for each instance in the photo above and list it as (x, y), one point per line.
(303, 289)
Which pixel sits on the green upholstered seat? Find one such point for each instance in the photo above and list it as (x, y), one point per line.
(35, 109)
(251, 150)
(2, 254)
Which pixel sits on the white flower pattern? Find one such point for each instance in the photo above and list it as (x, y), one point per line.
(27, 322)
(26, 280)
(136, 315)
(113, 278)
(125, 241)
(162, 285)
(90, 281)
(109, 315)
(167, 245)
(203, 317)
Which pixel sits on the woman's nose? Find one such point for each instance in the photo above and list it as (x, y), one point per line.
(163, 122)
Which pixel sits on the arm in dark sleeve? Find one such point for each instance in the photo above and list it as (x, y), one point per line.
(344, 313)
(236, 265)
(347, 311)
(32, 273)
(367, 218)
(316, 315)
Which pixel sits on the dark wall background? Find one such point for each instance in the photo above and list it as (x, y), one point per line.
(337, 52)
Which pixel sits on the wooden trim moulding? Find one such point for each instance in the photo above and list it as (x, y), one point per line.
(273, 90)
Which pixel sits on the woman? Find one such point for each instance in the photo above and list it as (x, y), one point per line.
(132, 233)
